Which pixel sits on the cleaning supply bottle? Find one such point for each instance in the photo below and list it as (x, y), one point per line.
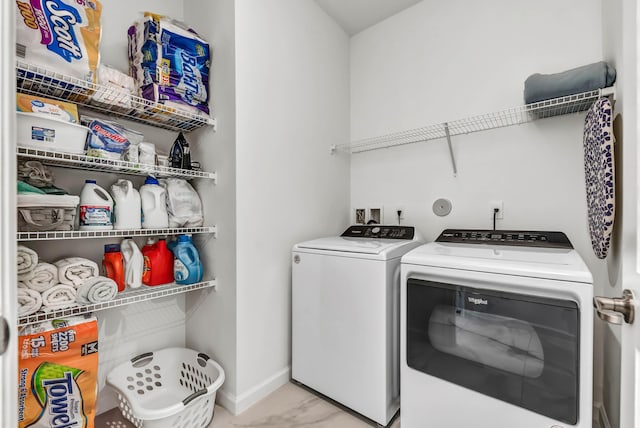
(133, 263)
(113, 264)
(158, 264)
(96, 207)
(154, 205)
(127, 205)
(180, 155)
(187, 268)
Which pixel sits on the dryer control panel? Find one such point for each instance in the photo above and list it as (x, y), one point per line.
(380, 231)
(507, 237)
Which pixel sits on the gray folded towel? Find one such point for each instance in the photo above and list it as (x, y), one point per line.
(540, 87)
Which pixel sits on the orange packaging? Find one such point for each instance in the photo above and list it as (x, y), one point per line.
(57, 109)
(58, 374)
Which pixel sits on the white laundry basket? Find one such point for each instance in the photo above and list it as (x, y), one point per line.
(170, 388)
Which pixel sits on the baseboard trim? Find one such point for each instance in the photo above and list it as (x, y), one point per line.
(602, 418)
(238, 404)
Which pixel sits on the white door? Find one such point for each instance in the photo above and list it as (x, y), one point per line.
(628, 223)
(8, 350)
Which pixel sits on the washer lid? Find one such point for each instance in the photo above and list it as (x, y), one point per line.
(550, 263)
(354, 245)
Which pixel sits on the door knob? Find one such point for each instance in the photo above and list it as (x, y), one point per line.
(4, 335)
(615, 310)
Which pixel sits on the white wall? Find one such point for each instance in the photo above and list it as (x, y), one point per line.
(211, 317)
(292, 100)
(440, 61)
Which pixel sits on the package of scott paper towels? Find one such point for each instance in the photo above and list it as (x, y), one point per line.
(60, 35)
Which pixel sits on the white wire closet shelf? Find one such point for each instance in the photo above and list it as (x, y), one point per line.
(35, 80)
(512, 116)
(142, 294)
(97, 234)
(70, 160)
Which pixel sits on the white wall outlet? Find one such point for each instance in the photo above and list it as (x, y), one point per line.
(398, 214)
(500, 206)
(376, 214)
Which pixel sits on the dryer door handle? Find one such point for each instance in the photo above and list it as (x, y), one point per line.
(616, 310)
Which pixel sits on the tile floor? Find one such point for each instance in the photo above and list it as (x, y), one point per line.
(291, 406)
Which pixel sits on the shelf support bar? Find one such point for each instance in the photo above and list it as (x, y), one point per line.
(453, 158)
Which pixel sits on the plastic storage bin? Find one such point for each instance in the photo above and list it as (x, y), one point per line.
(46, 132)
(170, 388)
(41, 213)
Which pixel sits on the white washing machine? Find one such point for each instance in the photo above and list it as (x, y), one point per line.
(496, 332)
(345, 317)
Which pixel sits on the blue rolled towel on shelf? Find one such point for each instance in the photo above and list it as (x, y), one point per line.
(540, 87)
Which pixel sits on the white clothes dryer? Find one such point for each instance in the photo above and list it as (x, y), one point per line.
(345, 317)
(496, 332)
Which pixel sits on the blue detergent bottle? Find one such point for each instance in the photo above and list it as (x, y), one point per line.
(187, 268)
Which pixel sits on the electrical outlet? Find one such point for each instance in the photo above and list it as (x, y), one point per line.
(375, 215)
(500, 206)
(398, 214)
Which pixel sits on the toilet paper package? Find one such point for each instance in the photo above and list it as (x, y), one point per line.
(58, 374)
(60, 35)
(115, 88)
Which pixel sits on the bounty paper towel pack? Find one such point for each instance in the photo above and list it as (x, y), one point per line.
(58, 374)
(62, 35)
(170, 63)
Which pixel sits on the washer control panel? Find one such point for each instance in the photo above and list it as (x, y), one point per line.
(507, 237)
(379, 231)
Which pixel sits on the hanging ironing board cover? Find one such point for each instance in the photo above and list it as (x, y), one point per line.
(599, 174)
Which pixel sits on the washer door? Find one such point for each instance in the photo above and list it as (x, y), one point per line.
(517, 348)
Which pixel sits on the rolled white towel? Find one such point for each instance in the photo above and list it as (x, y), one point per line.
(27, 260)
(29, 301)
(75, 270)
(59, 297)
(45, 276)
(96, 290)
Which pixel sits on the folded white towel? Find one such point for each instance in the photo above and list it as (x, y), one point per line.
(27, 259)
(45, 276)
(75, 270)
(25, 276)
(59, 297)
(29, 301)
(96, 290)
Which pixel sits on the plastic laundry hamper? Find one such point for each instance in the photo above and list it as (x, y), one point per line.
(170, 388)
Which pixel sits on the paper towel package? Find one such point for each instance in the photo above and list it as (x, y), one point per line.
(61, 35)
(58, 374)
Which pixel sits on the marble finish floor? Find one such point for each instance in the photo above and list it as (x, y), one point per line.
(291, 406)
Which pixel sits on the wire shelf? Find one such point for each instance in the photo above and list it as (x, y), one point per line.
(142, 294)
(97, 234)
(35, 80)
(70, 160)
(513, 116)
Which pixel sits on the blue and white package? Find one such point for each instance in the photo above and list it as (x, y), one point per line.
(107, 140)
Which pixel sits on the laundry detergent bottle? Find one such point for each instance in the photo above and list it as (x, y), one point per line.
(113, 264)
(127, 208)
(154, 205)
(96, 207)
(187, 268)
(158, 263)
